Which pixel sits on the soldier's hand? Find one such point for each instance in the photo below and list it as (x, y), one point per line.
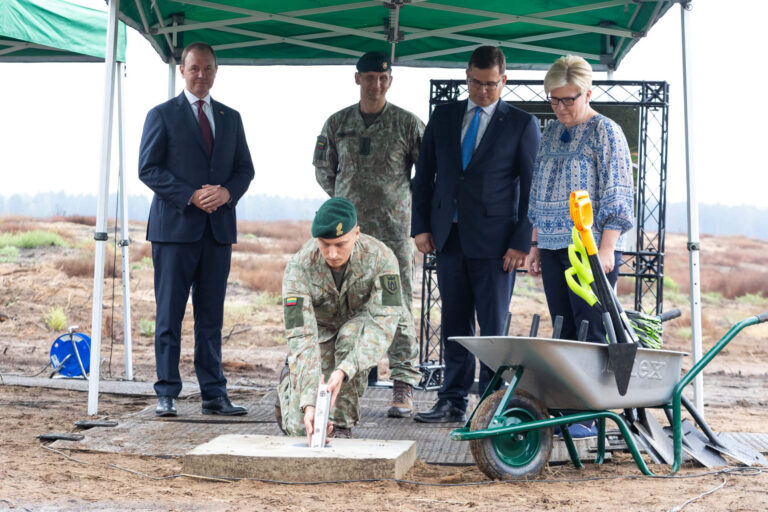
(514, 259)
(425, 243)
(334, 384)
(309, 422)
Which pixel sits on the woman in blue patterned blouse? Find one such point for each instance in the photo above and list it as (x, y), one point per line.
(582, 150)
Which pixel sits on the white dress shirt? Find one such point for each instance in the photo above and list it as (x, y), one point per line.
(485, 117)
(207, 109)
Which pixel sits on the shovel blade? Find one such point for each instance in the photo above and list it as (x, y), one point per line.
(739, 451)
(622, 357)
(695, 445)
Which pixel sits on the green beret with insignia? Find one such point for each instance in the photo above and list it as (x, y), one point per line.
(336, 217)
(374, 61)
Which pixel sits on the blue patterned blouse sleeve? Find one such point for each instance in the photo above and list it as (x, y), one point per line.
(615, 178)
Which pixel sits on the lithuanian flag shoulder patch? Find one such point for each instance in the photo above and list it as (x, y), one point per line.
(291, 301)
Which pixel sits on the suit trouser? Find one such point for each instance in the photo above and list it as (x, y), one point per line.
(469, 288)
(403, 354)
(202, 266)
(561, 301)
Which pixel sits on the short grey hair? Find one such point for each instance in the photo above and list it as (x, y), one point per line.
(569, 70)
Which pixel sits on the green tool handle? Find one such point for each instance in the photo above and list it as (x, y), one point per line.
(584, 293)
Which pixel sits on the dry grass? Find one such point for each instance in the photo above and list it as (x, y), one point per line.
(75, 219)
(139, 251)
(281, 229)
(17, 224)
(261, 275)
(82, 264)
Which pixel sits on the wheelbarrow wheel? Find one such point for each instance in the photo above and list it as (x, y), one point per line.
(511, 456)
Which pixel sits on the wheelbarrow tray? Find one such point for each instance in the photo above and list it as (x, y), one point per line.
(577, 375)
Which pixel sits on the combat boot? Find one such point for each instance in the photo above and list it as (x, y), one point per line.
(341, 432)
(402, 400)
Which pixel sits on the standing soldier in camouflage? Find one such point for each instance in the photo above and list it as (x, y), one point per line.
(365, 153)
(342, 304)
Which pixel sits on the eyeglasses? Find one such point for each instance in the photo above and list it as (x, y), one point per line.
(567, 102)
(477, 84)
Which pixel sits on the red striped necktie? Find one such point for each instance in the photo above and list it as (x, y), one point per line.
(205, 126)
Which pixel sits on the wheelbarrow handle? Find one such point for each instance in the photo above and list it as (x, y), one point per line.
(762, 317)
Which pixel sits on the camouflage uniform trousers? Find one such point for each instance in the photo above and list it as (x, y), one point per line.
(403, 354)
(346, 409)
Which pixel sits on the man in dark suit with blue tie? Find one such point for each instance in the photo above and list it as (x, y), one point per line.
(195, 158)
(470, 204)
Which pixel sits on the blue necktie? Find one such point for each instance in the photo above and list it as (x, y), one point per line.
(468, 146)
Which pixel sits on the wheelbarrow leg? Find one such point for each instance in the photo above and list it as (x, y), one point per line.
(572, 453)
(600, 458)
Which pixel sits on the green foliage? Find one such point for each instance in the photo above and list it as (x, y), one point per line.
(146, 261)
(671, 285)
(265, 299)
(684, 332)
(147, 327)
(31, 239)
(713, 298)
(752, 298)
(9, 254)
(55, 319)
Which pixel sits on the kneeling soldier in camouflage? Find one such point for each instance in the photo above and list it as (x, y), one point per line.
(342, 302)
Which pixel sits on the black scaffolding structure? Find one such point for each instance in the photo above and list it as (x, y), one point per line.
(644, 263)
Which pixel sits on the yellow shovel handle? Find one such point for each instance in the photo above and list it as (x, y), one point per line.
(581, 213)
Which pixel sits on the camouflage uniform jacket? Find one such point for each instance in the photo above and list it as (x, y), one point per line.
(371, 166)
(367, 308)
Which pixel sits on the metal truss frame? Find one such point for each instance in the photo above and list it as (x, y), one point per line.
(646, 263)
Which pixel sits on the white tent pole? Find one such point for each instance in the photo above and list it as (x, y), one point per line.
(101, 213)
(171, 78)
(124, 232)
(693, 207)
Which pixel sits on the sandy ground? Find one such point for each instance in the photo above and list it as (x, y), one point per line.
(34, 478)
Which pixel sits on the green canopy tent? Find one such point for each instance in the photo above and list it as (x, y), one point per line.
(58, 31)
(419, 33)
(54, 31)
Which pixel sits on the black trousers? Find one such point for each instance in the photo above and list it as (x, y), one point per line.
(563, 302)
(203, 267)
(469, 288)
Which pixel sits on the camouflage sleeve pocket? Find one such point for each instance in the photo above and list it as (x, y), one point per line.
(390, 291)
(321, 148)
(293, 312)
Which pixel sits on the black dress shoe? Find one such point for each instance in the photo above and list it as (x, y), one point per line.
(222, 405)
(166, 406)
(442, 412)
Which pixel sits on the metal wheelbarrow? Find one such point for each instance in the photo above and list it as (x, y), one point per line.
(554, 382)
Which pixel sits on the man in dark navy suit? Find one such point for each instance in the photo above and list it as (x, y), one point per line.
(195, 158)
(470, 205)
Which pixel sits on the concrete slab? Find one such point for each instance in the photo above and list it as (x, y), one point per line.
(289, 459)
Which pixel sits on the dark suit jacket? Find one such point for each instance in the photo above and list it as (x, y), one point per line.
(173, 162)
(491, 194)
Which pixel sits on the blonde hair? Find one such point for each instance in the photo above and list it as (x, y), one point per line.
(569, 70)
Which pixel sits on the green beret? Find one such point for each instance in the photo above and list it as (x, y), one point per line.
(336, 217)
(374, 61)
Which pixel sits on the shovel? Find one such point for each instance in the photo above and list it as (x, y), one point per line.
(622, 353)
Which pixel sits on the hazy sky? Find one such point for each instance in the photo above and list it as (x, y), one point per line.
(51, 131)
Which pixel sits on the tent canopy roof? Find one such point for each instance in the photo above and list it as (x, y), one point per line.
(430, 33)
(53, 30)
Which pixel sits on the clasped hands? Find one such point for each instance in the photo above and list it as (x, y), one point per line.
(512, 258)
(210, 197)
(334, 386)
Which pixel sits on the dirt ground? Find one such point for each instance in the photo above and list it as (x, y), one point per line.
(36, 478)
